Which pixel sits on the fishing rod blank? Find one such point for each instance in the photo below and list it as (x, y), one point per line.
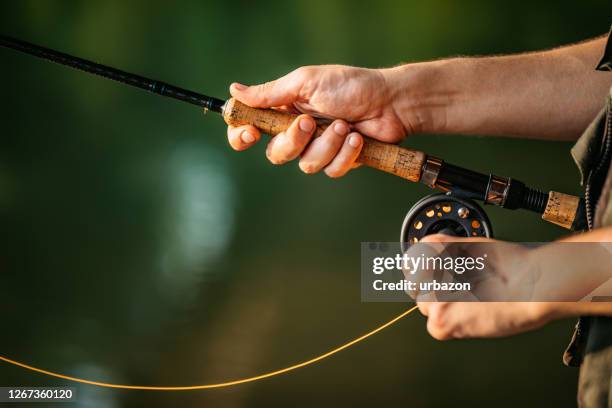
(151, 85)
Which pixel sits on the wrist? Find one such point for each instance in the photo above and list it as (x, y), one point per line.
(425, 95)
(561, 310)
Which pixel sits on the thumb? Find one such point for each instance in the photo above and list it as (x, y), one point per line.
(283, 91)
(438, 238)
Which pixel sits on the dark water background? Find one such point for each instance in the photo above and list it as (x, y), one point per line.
(136, 247)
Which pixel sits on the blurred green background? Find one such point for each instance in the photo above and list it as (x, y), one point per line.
(137, 248)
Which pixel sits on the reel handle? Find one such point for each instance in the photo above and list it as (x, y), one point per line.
(402, 162)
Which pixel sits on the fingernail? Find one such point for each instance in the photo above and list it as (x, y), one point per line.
(354, 141)
(239, 87)
(306, 125)
(341, 128)
(247, 137)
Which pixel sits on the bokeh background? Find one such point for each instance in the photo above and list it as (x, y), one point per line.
(136, 247)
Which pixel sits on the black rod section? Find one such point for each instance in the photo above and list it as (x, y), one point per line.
(151, 85)
(452, 177)
(475, 185)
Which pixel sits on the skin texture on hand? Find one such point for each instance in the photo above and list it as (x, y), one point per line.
(454, 320)
(525, 95)
(356, 99)
(460, 320)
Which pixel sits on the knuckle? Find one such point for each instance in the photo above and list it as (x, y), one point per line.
(423, 308)
(288, 150)
(307, 167)
(436, 329)
(294, 143)
(267, 86)
(275, 160)
(231, 132)
(269, 154)
(233, 141)
(441, 308)
(435, 238)
(280, 149)
(439, 333)
(437, 323)
(444, 306)
(333, 172)
(304, 72)
(264, 91)
(274, 157)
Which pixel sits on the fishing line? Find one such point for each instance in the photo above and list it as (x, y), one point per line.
(216, 385)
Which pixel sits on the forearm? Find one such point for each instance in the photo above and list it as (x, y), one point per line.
(558, 310)
(574, 309)
(551, 94)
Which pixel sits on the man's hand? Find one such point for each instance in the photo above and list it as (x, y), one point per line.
(357, 99)
(455, 320)
(508, 95)
(448, 320)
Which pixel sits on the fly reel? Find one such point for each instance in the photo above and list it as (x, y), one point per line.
(444, 214)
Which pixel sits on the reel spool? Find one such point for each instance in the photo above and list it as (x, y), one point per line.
(444, 214)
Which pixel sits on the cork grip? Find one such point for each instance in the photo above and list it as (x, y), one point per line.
(561, 209)
(387, 157)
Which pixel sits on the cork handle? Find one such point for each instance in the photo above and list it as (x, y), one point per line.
(563, 210)
(393, 159)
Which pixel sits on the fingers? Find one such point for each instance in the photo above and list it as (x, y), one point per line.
(440, 324)
(438, 238)
(424, 308)
(336, 150)
(456, 320)
(242, 137)
(346, 157)
(282, 91)
(324, 148)
(289, 144)
(443, 238)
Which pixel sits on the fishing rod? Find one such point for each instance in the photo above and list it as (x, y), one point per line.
(454, 213)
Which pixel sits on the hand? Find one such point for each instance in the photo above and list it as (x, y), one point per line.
(357, 99)
(455, 320)
(448, 320)
(557, 268)
(507, 271)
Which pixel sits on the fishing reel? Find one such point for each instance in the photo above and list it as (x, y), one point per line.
(444, 213)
